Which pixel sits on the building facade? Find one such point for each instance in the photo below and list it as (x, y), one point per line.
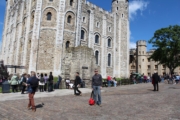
(140, 62)
(37, 34)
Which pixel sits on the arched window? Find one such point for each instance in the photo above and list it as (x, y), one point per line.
(96, 39)
(97, 56)
(82, 34)
(69, 19)
(109, 59)
(67, 44)
(50, 0)
(109, 42)
(49, 15)
(71, 2)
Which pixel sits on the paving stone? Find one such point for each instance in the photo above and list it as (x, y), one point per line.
(132, 102)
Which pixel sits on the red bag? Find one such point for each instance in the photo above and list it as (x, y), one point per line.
(91, 100)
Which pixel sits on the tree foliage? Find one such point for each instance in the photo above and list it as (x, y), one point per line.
(167, 44)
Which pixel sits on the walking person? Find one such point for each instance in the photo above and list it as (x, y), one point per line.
(41, 83)
(45, 82)
(24, 80)
(50, 86)
(14, 82)
(32, 84)
(77, 83)
(156, 79)
(97, 86)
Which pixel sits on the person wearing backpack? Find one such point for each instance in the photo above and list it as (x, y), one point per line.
(77, 84)
(41, 83)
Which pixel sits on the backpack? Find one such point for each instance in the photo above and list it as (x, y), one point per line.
(42, 80)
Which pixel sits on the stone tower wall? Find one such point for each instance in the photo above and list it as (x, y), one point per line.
(40, 45)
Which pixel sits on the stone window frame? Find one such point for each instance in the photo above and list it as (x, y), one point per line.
(98, 24)
(109, 38)
(47, 17)
(109, 29)
(99, 43)
(71, 3)
(109, 53)
(85, 33)
(84, 19)
(67, 44)
(73, 18)
(122, 15)
(69, 19)
(98, 57)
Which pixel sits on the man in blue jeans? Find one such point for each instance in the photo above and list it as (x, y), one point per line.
(97, 86)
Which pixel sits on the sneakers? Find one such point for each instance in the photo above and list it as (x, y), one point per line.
(100, 105)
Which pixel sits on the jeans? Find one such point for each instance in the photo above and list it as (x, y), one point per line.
(97, 94)
(109, 83)
(114, 84)
(31, 100)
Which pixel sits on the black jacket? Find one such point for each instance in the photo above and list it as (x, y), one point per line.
(24, 80)
(77, 81)
(97, 80)
(156, 78)
(51, 78)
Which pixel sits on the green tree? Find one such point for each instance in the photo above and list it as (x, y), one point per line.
(167, 47)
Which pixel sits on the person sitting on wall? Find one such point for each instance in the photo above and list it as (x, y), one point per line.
(67, 83)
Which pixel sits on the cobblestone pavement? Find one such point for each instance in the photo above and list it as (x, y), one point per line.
(134, 102)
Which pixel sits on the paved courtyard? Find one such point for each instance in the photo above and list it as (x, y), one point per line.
(132, 102)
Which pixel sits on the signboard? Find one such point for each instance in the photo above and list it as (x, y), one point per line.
(84, 67)
(14, 66)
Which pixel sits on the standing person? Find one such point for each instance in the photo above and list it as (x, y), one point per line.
(50, 86)
(14, 82)
(45, 81)
(41, 83)
(59, 81)
(32, 84)
(156, 79)
(77, 83)
(24, 80)
(97, 86)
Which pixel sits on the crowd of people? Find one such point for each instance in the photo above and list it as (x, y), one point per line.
(45, 82)
(32, 82)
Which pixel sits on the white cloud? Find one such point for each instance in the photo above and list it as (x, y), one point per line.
(135, 6)
(132, 45)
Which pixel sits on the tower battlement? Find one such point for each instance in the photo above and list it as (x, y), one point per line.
(141, 43)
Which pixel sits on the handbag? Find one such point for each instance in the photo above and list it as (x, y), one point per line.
(91, 100)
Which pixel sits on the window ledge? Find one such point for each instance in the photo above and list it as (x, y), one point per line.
(97, 44)
(109, 66)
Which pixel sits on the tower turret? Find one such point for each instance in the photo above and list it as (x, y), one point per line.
(119, 6)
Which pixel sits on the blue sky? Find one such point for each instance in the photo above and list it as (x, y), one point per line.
(146, 16)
